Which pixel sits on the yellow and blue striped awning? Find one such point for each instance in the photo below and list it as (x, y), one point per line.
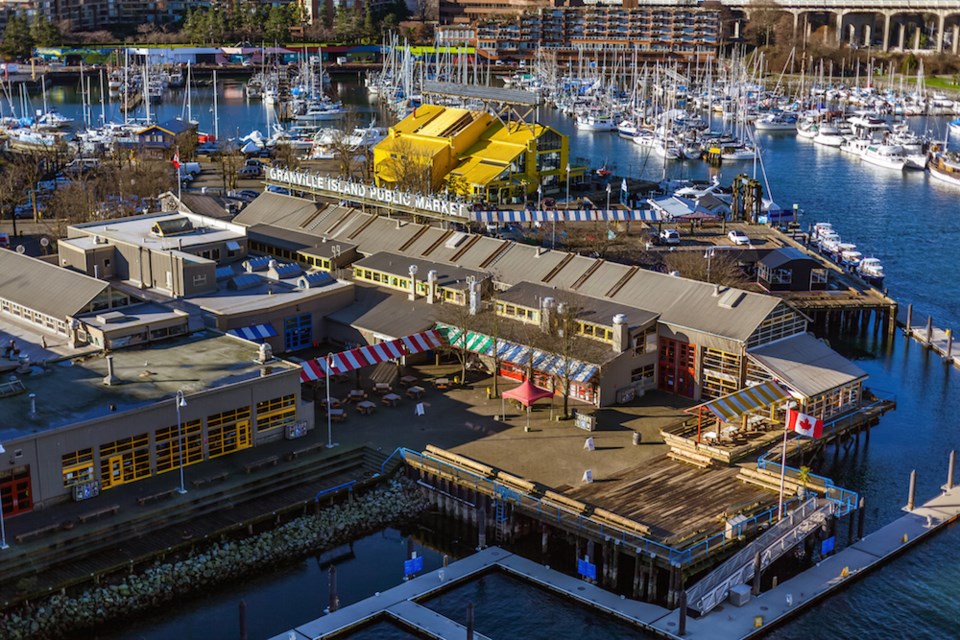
(748, 400)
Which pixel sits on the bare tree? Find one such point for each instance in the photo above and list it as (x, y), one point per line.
(230, 160)
(561, 336)
(493, 324)
(720, 268)
(409, 168)
(464, 322)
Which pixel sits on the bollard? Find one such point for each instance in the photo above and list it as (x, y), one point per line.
(950, 466)
(332, 577)
(913, 490)
(637, 438)
(469, 621)
(909, 317)
(682, 628)
(949, 356)
(861, 514)
(243, 620)
(929, 341)
(757, 564)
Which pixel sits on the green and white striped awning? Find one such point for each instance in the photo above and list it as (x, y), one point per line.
(517, 354)
(748, 400)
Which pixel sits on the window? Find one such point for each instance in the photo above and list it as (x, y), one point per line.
(77, 467)
(199, 279)
(168, 445)
(275, 413)
(645, 341)
(781, 323)
(228, 431)
(818, 276)
(721, 373)
(644, 374)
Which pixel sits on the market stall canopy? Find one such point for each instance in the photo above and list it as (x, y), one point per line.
(527, 393)
(748, 400)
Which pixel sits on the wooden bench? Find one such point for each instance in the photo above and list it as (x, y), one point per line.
(162, 495)
(106, 511)
(296, 453)
(257, 464)
(200, 482)
(36, 533)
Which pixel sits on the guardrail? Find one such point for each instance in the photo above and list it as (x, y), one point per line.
(567, 517)
(346, 485)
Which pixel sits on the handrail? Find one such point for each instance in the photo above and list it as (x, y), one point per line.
(383, 465)
(345, 485)
(563, 514)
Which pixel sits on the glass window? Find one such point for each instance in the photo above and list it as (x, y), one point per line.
(168, 445)
(297, 332)
(77, 467)
(275, 413)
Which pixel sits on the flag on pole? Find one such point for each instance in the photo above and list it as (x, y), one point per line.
(803, 424)
(176, 159)
(623, 185)
(539, 189)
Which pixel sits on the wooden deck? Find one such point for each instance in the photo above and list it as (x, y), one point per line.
(677, 501)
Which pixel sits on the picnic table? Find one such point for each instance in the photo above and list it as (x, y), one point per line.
(357, 394)
(415, 392)
(382, 388)
(334, 403)
(390, 400)
(366, 407)
(338, 415)
(408, 380)
(442, 383)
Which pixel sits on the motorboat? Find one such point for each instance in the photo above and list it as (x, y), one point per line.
(829, 136)
(776, 122)
(885, 155)
(830, 243)
(320, 111)
(628, 129)
(945, 167)
(808, 128)
(855, 146)
(737, 153)
(821, 229)
(871, 270)
(596, 122)
(851, 258)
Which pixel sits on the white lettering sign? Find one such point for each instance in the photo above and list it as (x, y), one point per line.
(370, 193)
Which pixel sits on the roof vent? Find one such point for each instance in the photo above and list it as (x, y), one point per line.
(731, 298)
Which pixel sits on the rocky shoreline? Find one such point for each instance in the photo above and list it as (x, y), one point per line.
(59, 614)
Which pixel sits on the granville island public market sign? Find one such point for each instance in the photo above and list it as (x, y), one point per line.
(370, 193)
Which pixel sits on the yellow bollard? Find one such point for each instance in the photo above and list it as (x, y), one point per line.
(489, 393)
(757, 622)
(905, 538)
(845, 573)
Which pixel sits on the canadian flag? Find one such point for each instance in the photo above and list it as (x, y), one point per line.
(803, 424)
(176, 159)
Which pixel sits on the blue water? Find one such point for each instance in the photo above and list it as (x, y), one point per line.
(907, 220)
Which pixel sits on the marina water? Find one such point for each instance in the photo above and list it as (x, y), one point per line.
(907, 220)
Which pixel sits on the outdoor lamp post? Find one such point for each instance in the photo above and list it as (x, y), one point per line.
(608, 196)
(330, 443)
(181, 402)
(3, 531)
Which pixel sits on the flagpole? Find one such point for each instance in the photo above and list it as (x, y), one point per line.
(783, 471)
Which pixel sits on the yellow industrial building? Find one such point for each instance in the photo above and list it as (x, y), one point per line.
(473, 153)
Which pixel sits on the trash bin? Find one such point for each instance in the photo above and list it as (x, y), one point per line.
(637, 438)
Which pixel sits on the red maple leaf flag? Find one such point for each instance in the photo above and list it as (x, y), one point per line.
(176, 159)
(803, 424)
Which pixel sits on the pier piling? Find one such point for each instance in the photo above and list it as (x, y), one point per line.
(469, 621)
(861, 514)
(929, 340)
(909, 317)
(950, 467)
(332, 577)
(682, 626)
(243, 619)
(913, 490)
(948, 358)
(757, 564)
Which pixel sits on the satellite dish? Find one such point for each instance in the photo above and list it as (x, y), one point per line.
(44, 242)
(21, 248)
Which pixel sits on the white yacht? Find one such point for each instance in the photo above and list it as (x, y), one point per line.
(871, 270)
(855, 146)
(885, 155)
(596, 122)
(779, 122)
(829, 136)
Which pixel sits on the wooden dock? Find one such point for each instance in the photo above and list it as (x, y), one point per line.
(938, 340)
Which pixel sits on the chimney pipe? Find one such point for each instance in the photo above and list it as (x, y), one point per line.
(621, 333)
(413, 282)
(431, 286)
(110, 379)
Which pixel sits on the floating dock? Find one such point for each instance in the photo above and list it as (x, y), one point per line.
(938, 340)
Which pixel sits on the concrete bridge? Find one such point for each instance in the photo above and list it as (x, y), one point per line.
(859, 19)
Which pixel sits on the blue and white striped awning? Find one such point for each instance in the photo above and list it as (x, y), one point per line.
(565, 215)
(254, 332)
(519, 354)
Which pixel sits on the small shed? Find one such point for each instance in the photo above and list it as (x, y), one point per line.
(789, 269)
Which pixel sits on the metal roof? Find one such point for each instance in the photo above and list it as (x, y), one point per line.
(397, 264)
(45, 287)
(385, 313)
(296, 240)
(491, 94)
(596, 310)
(779, 257)
(278, 210)
(806, 364)
(747, 400)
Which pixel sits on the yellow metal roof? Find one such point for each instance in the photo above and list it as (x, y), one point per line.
(410, 144)
(477, 172)
(443, 125)
(517, 133)
(420, 116)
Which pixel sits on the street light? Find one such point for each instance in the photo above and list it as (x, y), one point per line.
(181, 401)
(553, 244)
(330, 443)
(3, 531)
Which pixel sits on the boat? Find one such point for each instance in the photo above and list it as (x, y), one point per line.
(829, 136)
(596, 122)
(321, 111)
(808, 128)
(871, 270)
(830, 243)
(889, 156)
(779, 122)
(945, 167)
(855, 146)
(737, 153)
(628, 129)
(821, 229)
(851, 258)
(954, 126)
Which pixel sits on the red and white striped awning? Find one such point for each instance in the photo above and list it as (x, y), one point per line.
(360, 357)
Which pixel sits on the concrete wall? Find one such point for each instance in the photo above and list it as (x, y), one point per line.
(615, 375)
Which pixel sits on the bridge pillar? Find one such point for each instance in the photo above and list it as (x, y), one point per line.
(916, 37)
(886, 31)
(941, 25)
(903, 36)
(868, 34)
(840, 15)
(851, 34)
(956, 38)
(796, 23)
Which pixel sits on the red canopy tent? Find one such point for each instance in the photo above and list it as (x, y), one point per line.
(526, 394)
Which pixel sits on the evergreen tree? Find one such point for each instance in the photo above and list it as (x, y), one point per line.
(369, 28)
(45, 33)
(17, 40)
(278, 24)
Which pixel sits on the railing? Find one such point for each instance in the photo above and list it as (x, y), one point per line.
(397, 451)
(563, 515)
(346, 485)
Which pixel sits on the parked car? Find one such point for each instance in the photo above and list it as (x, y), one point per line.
(670, 236)
(738, 237)
(251, 171)
(248, 194)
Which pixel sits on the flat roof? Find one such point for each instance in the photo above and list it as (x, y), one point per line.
(297, 241)
(269, 293)
(386, 313)
(72, 391)
(449, 276)
(136, 231)
(134, 315)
